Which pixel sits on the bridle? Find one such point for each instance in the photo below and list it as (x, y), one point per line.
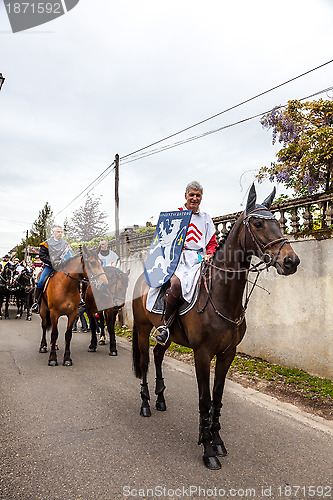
(265, 257)
(27, 288)
(266, 261)
(92, 279)
(119, 274)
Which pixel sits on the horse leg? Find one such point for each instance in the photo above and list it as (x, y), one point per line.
(20, 304)
(102, 327)
(159, 351)
(140, 353)
(202, 368)
(110, 316)
(1, 302)
(28, 305)
(223, 362)
(54, 337)
(93, 339)
(68, 337)
(45, 326)
(6, 306)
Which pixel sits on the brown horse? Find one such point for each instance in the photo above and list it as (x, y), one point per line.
(216, 325)
(62, 298)
(117, 286)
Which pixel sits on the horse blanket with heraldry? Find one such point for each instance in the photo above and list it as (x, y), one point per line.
(200, 231)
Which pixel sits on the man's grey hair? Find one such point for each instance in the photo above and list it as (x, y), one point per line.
(194, 185)
(56, 226)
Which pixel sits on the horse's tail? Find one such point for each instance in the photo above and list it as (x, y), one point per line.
(136, 353)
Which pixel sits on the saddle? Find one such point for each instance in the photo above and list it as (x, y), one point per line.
(184, 307)
(46, 282)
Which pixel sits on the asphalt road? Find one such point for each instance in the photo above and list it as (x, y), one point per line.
(76, 433)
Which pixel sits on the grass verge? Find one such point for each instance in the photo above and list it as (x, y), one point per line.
(289, 384)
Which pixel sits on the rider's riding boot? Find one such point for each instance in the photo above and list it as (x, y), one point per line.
(35, 306)
(163, 336)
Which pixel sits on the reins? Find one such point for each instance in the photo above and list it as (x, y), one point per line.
(265, 262)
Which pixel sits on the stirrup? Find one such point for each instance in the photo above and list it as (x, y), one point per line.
(35, 308)
(161, 341)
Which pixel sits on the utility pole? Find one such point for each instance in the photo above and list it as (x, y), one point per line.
(117, 204)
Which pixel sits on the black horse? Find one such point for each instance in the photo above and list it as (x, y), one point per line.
(117, 286)
(24, 286)
(216, 325)
(6, 287)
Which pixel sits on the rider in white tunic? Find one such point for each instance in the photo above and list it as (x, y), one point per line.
(200, 243)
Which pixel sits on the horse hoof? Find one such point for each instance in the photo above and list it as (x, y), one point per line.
(29, 318)
(53, 362)
(113, 353)
(102, 341)
(160, 406)
(220, 450)
(211, 463)
(43, 350)
(68, 362)
(91, 349)
(145, 412)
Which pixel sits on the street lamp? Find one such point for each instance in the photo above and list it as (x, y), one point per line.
(2, 79)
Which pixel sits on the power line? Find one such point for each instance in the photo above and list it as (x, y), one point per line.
(108, 170)
(226, 110)
(204, 134)
(82, 192)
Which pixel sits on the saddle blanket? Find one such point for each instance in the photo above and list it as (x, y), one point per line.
(159, 306)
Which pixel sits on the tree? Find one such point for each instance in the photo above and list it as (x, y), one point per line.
(40, 230)
(305, 163)
(88, 221)
(42, 226)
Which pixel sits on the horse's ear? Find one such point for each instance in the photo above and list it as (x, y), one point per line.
(251, 199)
(269, 200)
(128, 272)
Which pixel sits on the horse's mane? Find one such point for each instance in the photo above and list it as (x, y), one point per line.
(71, 259)
(67, 261)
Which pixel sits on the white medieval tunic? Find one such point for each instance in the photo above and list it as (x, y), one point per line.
(200, 231)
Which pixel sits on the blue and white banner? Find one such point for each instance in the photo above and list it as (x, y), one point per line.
(166, 247)
(67, 253)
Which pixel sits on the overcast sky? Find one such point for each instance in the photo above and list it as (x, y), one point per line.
(113, 77)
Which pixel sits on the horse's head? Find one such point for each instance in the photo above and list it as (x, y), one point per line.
(263, 237)
(8, 274)
(118, 283)
(93, 270)
(25, 277)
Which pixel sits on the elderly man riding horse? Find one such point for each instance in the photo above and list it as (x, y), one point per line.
(200, 243)
(52, 252)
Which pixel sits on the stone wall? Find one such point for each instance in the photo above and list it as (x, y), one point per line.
(291, 325)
